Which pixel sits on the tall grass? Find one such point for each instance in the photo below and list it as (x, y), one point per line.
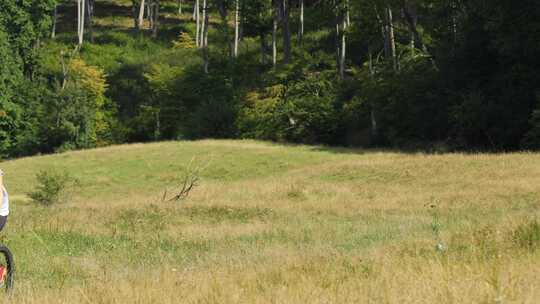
(272, 223)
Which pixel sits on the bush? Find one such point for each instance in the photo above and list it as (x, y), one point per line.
(410, 108)
(52, 187)
(301, 111)
(260, 117)
(210, 104)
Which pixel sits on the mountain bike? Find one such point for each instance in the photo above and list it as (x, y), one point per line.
(6, 258)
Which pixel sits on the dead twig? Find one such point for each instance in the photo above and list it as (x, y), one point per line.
(190, 181)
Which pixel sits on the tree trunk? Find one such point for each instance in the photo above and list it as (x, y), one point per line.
(79, 20)
(150, 13)
(412, 44)
(373, 116)
(454, 22)
(205, 37)
(203, 24)
(301, 30)
(222, 8)
(64, 69)
(198, 23)
(236, 27)
(347, 13)
(155, 18)
(264, 47)
(343, 49)
(55, 14)
(180, 3)
(134, 14)
(286, 32)
(391, 37)
(82, 21)
(384, 30)
(274, 38)
(141, 14)
(206, 24)
(337, 39)
(242, 22)
(374, 127)
(80, 14)
(409, 11)
(90, 4)
(157, 130)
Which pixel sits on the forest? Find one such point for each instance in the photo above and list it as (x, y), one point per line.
(430, 75)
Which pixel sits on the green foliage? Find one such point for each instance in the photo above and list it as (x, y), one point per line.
(304, 111)
(25, 22)
(32, 129)
(260, 118)
(311, 110)
(408, 105)
(52, 187)
(78, 114)
(185, 41)
(258, 17)
(210, 105)
(10, 81)
(469, 82)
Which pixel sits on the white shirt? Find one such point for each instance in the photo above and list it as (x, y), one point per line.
(4, 209)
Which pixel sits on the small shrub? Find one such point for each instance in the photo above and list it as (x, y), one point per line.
(52, 187)
(527, 236)
(436, 226)
(184, 41)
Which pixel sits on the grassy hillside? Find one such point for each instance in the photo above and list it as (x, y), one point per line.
(285, 224)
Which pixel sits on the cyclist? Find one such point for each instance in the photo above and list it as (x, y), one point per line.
(4, 212)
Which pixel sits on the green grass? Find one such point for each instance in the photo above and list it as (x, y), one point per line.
(268, 217)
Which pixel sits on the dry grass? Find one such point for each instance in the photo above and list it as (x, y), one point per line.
(279, 224)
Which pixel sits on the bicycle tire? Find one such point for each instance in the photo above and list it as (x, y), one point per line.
(10, 265)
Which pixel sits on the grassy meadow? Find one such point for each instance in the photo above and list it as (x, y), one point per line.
(278, 224)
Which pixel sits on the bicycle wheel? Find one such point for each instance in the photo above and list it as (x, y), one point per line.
(6, 259)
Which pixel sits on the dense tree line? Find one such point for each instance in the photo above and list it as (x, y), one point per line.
(397, 73)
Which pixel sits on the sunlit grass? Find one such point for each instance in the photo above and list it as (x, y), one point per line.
(272, 223)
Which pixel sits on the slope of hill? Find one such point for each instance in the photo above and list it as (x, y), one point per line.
(271, 223)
